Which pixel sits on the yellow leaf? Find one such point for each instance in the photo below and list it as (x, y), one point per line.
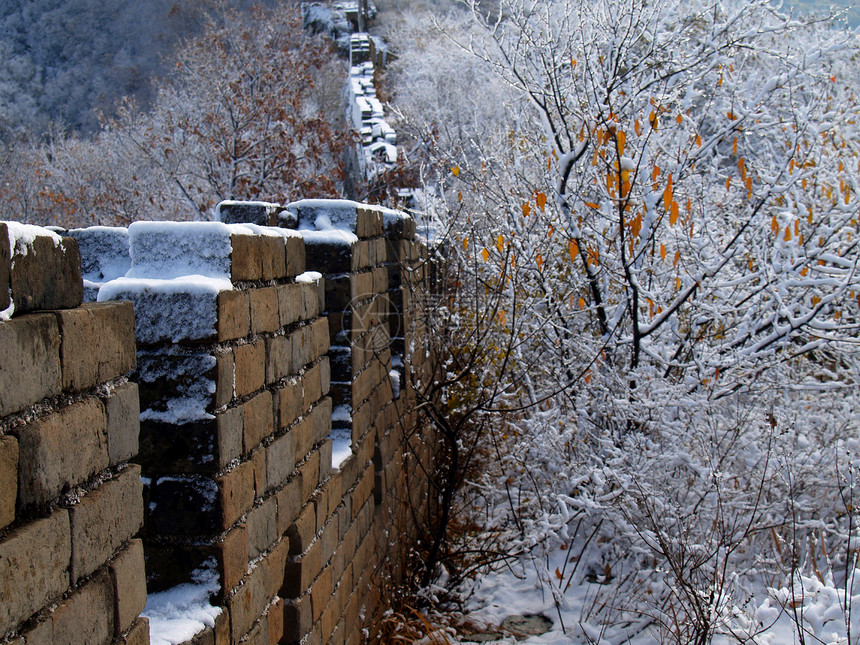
(526, 210)
(622, 141)
(500, 243)
(699, 140)
(485, 254)
(655, 173)
(678, 284)
(815, 300)
(774, 225)
(592, 205)
(676, 260)
(787, 236)
(742, 167)
(465, 243)
(540, 198)
(573, 247)
(728, 182)
(654, 120)
(455, 170)
(804, 271)
(735, 146)
(636, 225)
(679, 119)
(539, 262)
(673, 213)
(550, 230)
(663, 252)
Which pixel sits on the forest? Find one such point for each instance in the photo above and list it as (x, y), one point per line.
(646, 215)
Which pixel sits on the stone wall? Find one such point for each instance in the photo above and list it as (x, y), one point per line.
(71, 569)
(281, 466)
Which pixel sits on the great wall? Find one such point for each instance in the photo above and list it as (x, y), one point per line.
(234, 415)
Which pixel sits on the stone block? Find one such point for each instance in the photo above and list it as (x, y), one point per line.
(368, 222)
(232, 555)
(230, 429)
(300, 573)
(128, 576)
(275, 622)
(289, 403)
(273, 567)
(280, 460)
(122, 408)
(225, 375)
(289, 503)
(295, 255)
(205, 446)
(236, 493)
(138, 634)
(60, 451)
(310, 470)
(319, 337)
(328, 256)
(87, 615)
(262, 527)
(259, 420)
(247, 604)
(104, 252)
(265, 316)
(311, 299)
(297, 618)
(104, 519)
(234, 315)
(97, 343)
(302, 531)
(273, 257)
(46, 275)
(250, 367)
(258, 459)
(260, 213)
(8, 478)
(301, 340)
(289, 303)
(321, 593)
(34, 561)
(246, 257)
(279, 358)
(30, 369)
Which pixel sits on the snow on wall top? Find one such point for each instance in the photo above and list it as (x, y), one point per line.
(104, 252)
(22, 236)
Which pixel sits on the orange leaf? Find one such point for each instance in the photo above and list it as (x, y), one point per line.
(655, 173)
(787, 236)
(558, 574)
(581, 303)
(573, 247)
(742, 167)
(539, 262)
(676, 260)
(654, 120)
(699, 140)
(667, 193)
(678, 284)
(485, 254)
(636, 225)
(455, 170)
(735, 146)
(500, 243)
(540, 198)
(621, 138)
(679, 119)
(526, 210)
(465, 243)
(673, 213)
(637, 127)
(774, 224)
(592, 205)
(663, 252)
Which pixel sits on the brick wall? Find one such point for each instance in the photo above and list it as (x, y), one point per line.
(250, 370)
(71, 570)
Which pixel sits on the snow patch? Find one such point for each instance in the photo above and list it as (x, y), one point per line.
(178, 614)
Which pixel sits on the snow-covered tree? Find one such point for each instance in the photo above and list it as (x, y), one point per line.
(669, 208)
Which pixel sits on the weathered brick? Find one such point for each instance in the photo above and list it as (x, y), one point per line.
(247, 604)
(236, 490)
(222, 628)
(230, 428)
(97, 343)
(138, 634)
(310, 470)
(87, 615)
(246, 257)
(262, 527)
(289, 303)
(289, 503)
(321, 593)
(61, 450)
(47, 276)
(300, 573)
(301, 340)
(273, 257)
(129, 582)
(232, 555)
(260, 213)
(122, 408)
(234, 318)
(264, 309)
(319, 338)
(295, 255)
(104, 519)
(34, 561)
(280, 460)
(259, 421)
(302, 531)
(273, 567)
(30, 369)
(224, 377)
(258, 459)
(297, 618)
(258, 634)
(322, 419)
(279, 358)
(250, 367)
(311, 299)
(8, 479)
(289, 403)
(275, 621)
